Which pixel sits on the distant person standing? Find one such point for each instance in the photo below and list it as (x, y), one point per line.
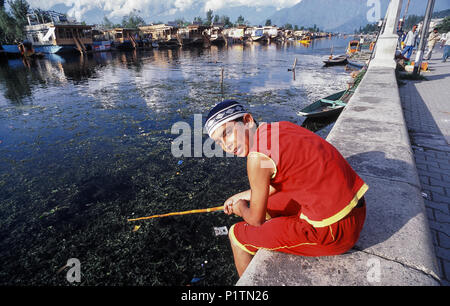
(432, 40)
(410, 42)
(446, 42)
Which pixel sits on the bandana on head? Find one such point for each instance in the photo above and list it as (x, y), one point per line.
(223, 112)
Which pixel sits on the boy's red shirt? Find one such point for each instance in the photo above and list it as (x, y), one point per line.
(310, 171)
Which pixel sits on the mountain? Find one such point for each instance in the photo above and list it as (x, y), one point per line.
(342, 15)
(330, 15)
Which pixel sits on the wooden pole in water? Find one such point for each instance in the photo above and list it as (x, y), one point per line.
(221, 81)
(187, 212)
(293, 68)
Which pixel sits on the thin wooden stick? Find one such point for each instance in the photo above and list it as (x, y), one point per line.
(195, 211)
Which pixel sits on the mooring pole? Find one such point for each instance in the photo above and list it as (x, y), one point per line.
(221, 81)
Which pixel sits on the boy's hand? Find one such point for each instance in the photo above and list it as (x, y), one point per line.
(232, 206)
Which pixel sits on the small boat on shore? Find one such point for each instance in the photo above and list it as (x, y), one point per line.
(337, 60)
(356, 64)
(328, 106)
(353, 47)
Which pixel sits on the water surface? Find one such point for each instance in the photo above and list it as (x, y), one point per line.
(85, 144)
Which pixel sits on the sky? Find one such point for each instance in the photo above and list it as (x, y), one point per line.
(92, 11)
(151, 8)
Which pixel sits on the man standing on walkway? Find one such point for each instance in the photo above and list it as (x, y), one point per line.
(432, 40)
(410, 42)
(446, 42)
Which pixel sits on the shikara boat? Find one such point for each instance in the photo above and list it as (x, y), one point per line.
(353, 47)
(325, 107)
(337, 60)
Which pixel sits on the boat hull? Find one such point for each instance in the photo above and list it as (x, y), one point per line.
(12, 49)
(99, 46)
(337, 60)
(320, 109)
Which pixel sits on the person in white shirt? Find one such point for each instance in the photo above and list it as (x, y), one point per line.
(410, 42)
(446, 42)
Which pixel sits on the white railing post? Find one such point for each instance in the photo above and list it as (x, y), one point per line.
(387, 41)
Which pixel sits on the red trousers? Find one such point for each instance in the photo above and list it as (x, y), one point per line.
(286, 232)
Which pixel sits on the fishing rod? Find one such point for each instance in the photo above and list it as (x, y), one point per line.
(194, 211)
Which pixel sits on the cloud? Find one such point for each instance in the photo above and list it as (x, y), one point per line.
(151, 8)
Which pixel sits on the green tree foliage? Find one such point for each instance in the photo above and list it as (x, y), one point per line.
(368, 28)
(198, 20)
(268, 22)
(132, 20)
(107, 24)
(226, 21)
(444, 26)
(12, 24)
(216, 18)
(209, 17)
(240, 20)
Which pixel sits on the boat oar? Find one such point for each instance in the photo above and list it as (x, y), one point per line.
(195, 211)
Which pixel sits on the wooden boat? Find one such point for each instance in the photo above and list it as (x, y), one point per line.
(355, 63)
(11, 51)
(161, 35)
(58, 36)
(337, 60)
(258, 35)
(329, 106)
(353, 47)
(305, 41)
(126, 38)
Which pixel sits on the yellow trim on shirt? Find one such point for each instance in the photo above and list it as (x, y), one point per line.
(341, 214)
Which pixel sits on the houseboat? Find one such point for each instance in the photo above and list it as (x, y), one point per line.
(216, 35)
(237, 34)
(270, 32)
(192, 35)
(125, 38)
(60, 35)
(161, 35)
(258, 35)
(101, 40)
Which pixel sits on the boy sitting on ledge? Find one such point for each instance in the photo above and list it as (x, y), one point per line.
(304, 197)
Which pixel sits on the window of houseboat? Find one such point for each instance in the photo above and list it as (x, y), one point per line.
(61, 33)
(69, 33)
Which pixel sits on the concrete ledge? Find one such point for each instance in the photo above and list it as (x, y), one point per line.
(371, 134)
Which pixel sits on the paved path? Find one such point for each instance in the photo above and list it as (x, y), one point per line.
(426, 106)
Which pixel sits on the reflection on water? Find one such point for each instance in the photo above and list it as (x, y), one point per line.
(85, 144)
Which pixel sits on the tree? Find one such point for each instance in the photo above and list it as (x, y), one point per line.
(296, 28)
(209, 17)
(12, 24)
(444, 26)
(19, 10)
(7, 28)
(107, 24)
(216, 19)
(268, 22)
(198, 20)
(132, 20)
(240, 20)
(226, 21)
(288, 26)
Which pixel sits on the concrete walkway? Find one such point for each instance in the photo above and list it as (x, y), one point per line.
(426, 106)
